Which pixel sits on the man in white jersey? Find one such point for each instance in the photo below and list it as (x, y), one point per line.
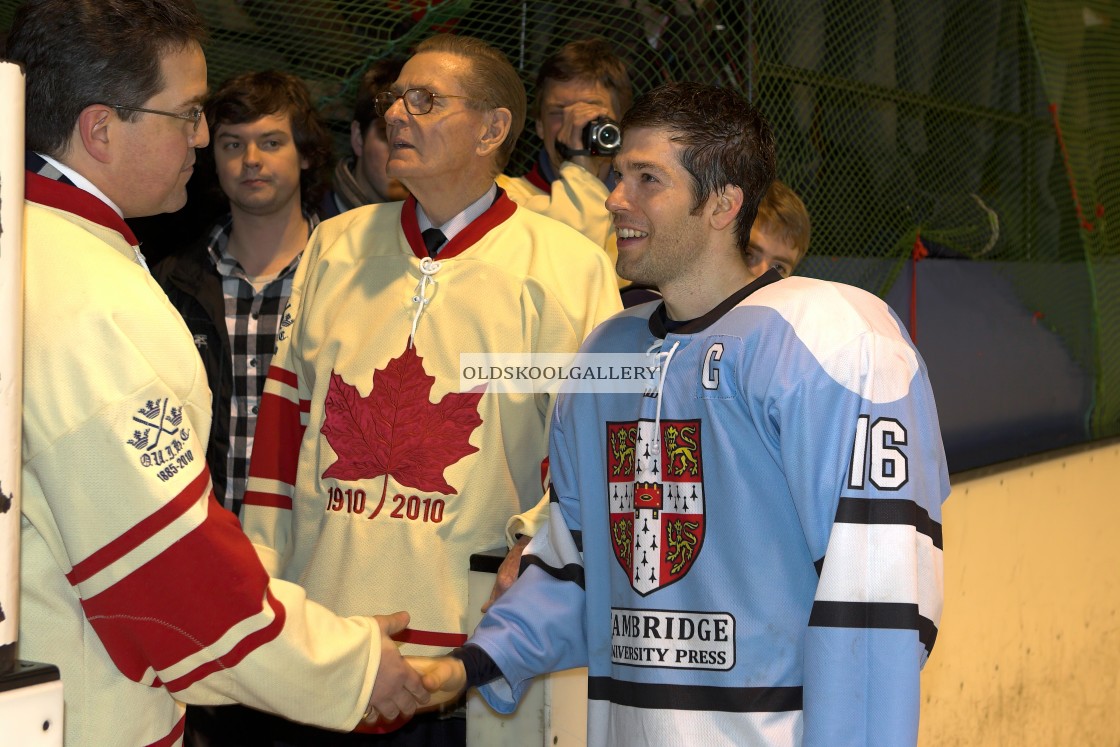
(141, 589)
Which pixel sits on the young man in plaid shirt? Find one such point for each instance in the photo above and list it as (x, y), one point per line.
(271, 152)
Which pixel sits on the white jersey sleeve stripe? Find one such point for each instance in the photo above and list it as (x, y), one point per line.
(234, 637)
(869, 563)
(154, 545)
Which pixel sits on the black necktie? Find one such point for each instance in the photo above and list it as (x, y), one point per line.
(433, 239)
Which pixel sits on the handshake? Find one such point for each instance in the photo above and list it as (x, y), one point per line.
(407, 685)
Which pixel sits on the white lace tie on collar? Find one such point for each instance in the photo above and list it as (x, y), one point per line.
(428, 268)
(663, 359)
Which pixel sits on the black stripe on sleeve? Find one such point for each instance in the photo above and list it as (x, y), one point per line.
(884, 615)
(889, 511)
(480, 668)
(577, 538)
(927, 633)
(571, 572)
(695, 697)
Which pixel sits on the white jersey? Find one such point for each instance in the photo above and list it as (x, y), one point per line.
(373, 478)
(135, 582)
(577, 199)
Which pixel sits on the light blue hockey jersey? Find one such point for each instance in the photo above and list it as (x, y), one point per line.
(752, 554)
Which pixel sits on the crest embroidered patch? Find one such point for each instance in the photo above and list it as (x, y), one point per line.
(161, 437)
(286, 321)
(655, 485)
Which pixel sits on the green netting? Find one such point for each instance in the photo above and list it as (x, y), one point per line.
(985, 127)
(1077, 46)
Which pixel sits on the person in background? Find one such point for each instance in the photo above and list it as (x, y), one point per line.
(742, 551)
(375, 473)
(780, 234)
(270, 148)
(135, 582)
(271, 151)
(581, 82)
(360, 179)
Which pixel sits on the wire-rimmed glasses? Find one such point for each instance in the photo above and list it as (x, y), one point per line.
(193, 116)
(416, 100)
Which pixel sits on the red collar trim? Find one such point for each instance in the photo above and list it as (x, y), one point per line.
(56, 194)
(536, 178)
(495, 215)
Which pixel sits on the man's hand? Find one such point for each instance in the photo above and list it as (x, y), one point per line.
(444, 677)
(507, 572)
(398, 689)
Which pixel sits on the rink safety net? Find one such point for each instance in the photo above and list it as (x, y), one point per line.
(985, 130)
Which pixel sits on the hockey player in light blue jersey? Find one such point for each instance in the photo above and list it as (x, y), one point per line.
(750, 552)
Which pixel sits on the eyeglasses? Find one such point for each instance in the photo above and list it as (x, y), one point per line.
(194, 115)
(416, 100)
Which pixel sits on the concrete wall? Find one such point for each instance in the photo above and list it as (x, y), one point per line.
(1029, 647)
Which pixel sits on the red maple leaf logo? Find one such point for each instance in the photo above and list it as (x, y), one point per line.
(397, 430)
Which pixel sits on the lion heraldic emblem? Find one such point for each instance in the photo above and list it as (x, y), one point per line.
(656, 492)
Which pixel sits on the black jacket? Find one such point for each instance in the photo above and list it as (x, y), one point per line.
(195, 288)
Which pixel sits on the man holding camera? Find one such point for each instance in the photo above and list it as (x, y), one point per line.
(582, 90)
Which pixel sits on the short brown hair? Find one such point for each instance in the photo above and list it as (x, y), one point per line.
(493, 81)
(81, 52)
(783, 213)
(591, 59)
(725, 140)
(250, 96)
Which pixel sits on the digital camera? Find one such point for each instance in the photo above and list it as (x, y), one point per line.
(602, 137)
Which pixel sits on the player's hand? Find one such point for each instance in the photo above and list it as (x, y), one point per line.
(398, 689)
(507, 572)
(444, 677)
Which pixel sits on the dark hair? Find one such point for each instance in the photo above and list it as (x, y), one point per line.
(380, 76)
(591, 59)
(493, 81)
(726, 141)
(81, 52)
(250, 96)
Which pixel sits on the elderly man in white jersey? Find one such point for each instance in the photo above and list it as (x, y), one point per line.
(373, 475)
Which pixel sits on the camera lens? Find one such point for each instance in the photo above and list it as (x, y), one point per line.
(609, 135)
(602, 137)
